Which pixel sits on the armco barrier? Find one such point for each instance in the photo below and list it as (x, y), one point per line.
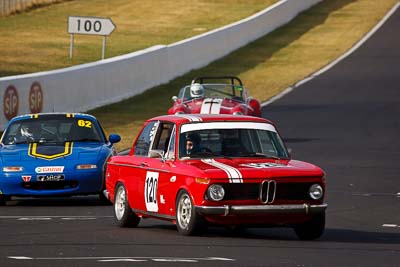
(84, 87)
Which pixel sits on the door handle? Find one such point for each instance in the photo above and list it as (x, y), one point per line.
(144, 164)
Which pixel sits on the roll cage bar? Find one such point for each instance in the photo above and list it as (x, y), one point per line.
(231, 78)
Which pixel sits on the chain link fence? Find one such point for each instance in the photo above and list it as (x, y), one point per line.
(8, 7)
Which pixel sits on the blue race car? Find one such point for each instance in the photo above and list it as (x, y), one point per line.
(54, 154)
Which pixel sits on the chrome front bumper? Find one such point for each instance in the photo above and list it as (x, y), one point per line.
(260, 209)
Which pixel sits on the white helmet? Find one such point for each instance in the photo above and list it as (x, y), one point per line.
(196, 90)
(30, 130)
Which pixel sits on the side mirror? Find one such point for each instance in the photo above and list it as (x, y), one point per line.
(174, 98)
(114, 138)
(290, 151)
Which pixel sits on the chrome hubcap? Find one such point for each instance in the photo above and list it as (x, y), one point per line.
(184, 211)
(119, 204)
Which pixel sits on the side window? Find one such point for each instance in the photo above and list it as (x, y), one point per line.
(267, 145)
(143, 143)
(163, 137)
(171, 147)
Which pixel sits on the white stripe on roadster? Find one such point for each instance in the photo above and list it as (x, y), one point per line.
(234, 175)
(211, 106)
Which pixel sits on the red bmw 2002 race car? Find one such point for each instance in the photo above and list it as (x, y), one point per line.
(204, 97)
(221, 169)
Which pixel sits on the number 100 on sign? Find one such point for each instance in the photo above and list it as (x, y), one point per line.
(90, 25)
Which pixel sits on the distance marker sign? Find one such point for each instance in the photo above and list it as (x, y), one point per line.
(90, 25)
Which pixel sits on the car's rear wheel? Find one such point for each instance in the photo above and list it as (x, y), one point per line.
(188, 221)
(124, 216)
(311, 229)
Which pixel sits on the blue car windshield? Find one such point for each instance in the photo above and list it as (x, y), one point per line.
(52, 130)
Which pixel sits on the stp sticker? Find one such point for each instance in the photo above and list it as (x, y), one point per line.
(10, 102)
(49, 169)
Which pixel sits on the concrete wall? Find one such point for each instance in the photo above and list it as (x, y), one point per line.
(84, 87)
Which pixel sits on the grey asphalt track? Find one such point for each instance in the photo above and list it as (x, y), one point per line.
(346, 120)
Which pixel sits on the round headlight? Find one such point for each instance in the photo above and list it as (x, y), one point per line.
(237, 113)
(179, 112)
(216, 192)
(316, 191)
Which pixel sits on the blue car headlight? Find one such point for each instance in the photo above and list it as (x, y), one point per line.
(86, 166)
(13, 169)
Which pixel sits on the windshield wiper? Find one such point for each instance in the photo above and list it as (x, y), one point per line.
(261, 155)
(83, 140)
(203, 153)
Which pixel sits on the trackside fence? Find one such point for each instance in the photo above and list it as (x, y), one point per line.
(84, 87)
(8, 7)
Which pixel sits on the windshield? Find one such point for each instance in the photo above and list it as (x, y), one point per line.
(195, 91)
(225, 140)
(57, 130)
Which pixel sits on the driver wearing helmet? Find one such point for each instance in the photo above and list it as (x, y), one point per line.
(196, 90)
(30, 131)
(192, 143)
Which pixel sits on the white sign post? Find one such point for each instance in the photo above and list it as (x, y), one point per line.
(89, 25)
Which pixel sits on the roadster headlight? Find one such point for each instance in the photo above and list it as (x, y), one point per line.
(215, 192)
(316, 192)
(237, 113)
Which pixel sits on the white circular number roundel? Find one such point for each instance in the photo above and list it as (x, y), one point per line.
(150, 191)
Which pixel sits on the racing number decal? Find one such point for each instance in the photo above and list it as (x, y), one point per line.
(83, 123)
(150, 191)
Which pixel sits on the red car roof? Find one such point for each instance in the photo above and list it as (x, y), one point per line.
(186, 118)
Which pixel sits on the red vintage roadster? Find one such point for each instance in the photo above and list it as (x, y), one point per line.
(213, 95)
(228, 170)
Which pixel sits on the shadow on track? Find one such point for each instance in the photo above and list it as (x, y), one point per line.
(283, 234)
(57, 201)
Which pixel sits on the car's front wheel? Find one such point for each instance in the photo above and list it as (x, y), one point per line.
(311, 229)
(188, 221)
(4, 199)
(123, 214)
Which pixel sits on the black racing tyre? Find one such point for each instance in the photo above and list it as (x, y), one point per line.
(103, 199)
(188, 221)
(4, 199)
(311, 229)
(123, 214)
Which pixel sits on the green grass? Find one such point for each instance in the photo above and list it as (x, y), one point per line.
(38, 40)
(266, 66)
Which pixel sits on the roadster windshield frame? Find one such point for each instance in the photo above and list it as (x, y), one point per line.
(216, 90)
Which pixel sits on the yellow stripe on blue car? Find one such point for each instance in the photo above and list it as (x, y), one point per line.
(50, 152)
